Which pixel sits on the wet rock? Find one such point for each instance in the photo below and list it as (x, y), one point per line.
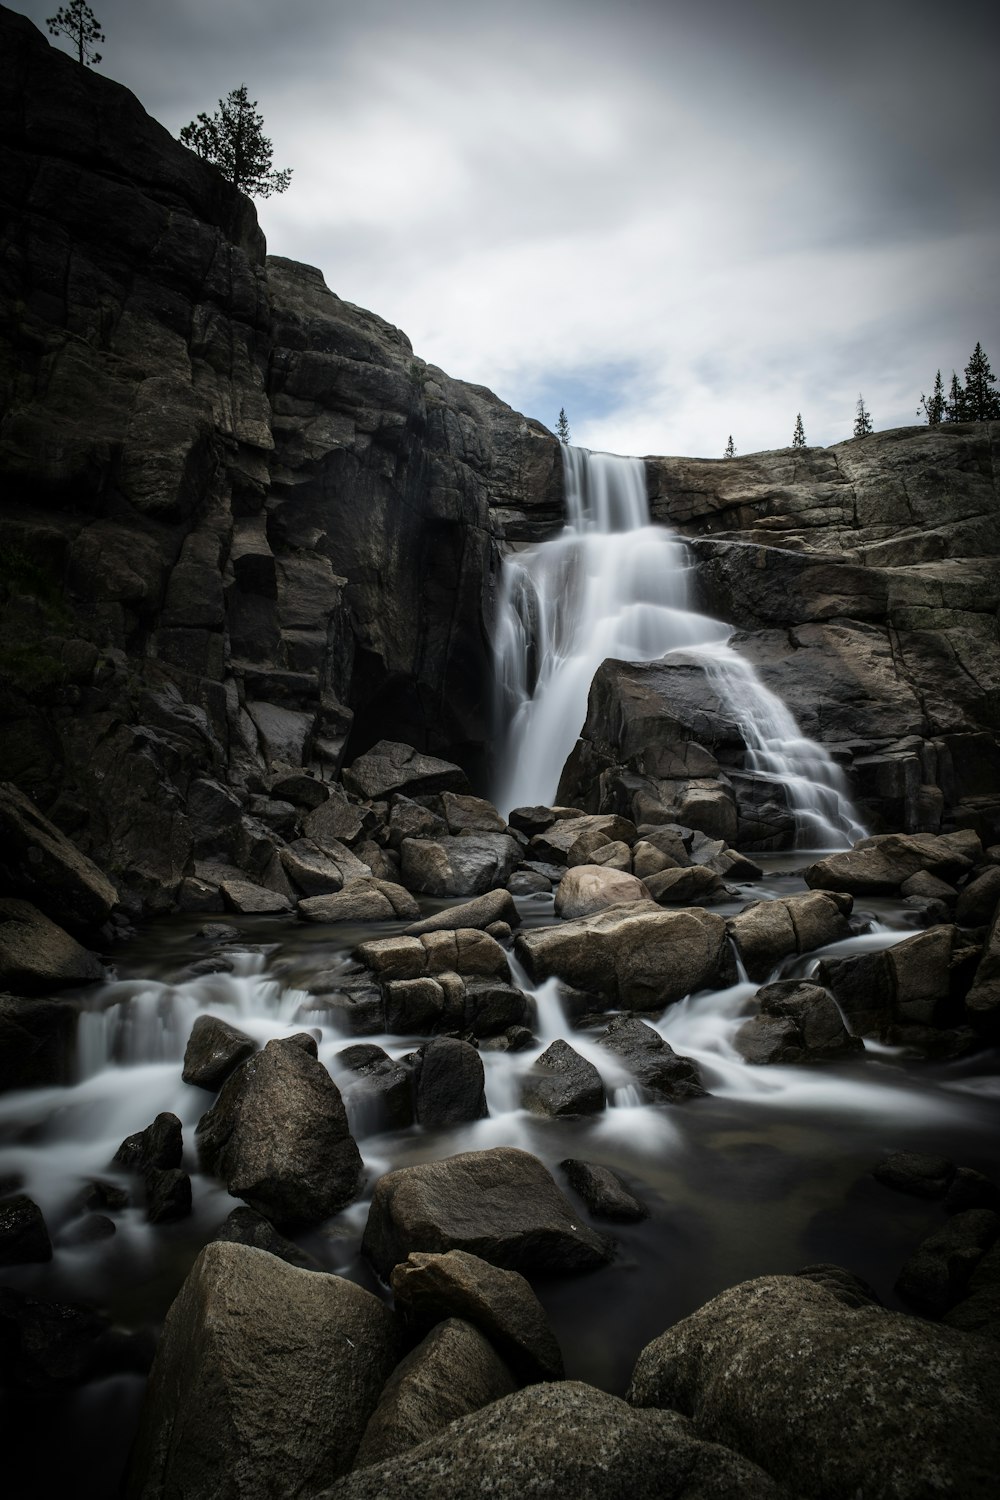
(24, 1239)
(971, 1189)
(168, 1195)
(452, 1372)
(449, 1084)
(921, 981)
(851, 1290)
(245, 1226)
(562, 1084)
(685, 887)
(39, 863)
(639, 956)
(393, 767)
(936, 1275)
(462, 951)
(278, 1137)
(252, 900)
(213, 1050)
(653, 1063)
(737, 1367)
(767, 931)
(878, 866)
(377, 1091)
(590, 888)
(37, 956)
(467, 865)
(501, 1205)
(492, 1007)
(573, 840)
(429, 1287)
(482, 911)
(91, 1229)
(603, 1191)
(563, 1438)
(51, 1346)
(415, 1006)
(798, 1022)
(979, 900)
(362, 900)
(255, 1349)
(528, 883)
(159, 1147)
(36, 1042)
(912, 1172)
(97, 1196)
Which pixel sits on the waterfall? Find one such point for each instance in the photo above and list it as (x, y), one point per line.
(612, 585)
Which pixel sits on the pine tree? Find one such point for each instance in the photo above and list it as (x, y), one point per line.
(730, 448)
(954, 407)
(933, 406)
(799, 435)
(982, 399)
(863, 420)
(78, 22)
(234, 141)
(562, 426)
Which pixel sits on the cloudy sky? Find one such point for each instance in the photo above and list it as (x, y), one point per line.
(678, 220)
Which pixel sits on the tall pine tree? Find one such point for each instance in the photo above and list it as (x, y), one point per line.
(730, 449)
(799, 435)
(954, 407)
(78, 22)
(863, 420)
(562, 426)
(933, 406)
(982, 399)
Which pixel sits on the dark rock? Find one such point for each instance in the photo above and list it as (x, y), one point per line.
(299, 787)
(159, 1147)
(929, 887)
(501, 1205)
(310, 870)
(377, 1092)
(461, 951)
(40, 864)
(361, 900)
(879, 865)
(603, 1191)
(245, 1226)
(798, 1022)
(97, 1196)
(36, 955)
(563, 1084)
(652, 1062)
(979, 900)
(920, 982)
(36, 1042)
(449, 1084)
(414, 1006)
(452, 1372)
(736, 1366)
(91, 1229)
(982, 1003)
(252, 900)
(428, 1288)
(919, 1175)
(168, 1195)
(253, 1348)
(23, 1235)
(393, 767)
(482, 911)
(532, 820)
(277, 1135)
(466, 865)
(528, 883)
(213, 1050)
(937, 1273)
(470, 814)
(572, 840)
(48, 1346)
(971, 1189)
(851, 1290)
(335, 818)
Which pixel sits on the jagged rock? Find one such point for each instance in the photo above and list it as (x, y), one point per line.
(36, 1042)
(430, 1287)
(915, 1173)
(532, 820)
(603, 1191)
(653, 1063)
(736, 1366)
(168, 1195)
(36, 955)
(929, 887)
(979, 900)
(587, 888)
(639, 955)
(563, 1084)
(921, 981)
(412, 820)
(40, 864)
(798, 1022)
(470, 815)
(879, 866)
(377, 1092)
(572, 840)
(294, 785)
(936, 1275)
(424, 1005)
(362, 900)
(310, 870)
(493, 906)
(255, 1349)
(449, 1084)
(159, 1147)
(529, 883)
(501, 1205)
(466, 865)
(245, 1226)
(250, 899)
(213, 1050)
(277, 1135)
(336, 819)
(24, 1237)
(560, 1439)
(393, 767)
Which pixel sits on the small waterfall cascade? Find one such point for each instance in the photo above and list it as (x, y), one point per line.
(611, 584)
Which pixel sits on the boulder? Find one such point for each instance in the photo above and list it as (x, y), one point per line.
(914, 1173)
(501, 1205)
(461, 951)
(572, 840)
(310, 870)
(377, 1091)
(470, 814)
(452, 1372)
(797, 1022)
(589, 888)
(562, 1084)
(603, 1191)
(481, 911)
(765, 932)
(832, 1400)
(638, 956)
(466, 865)
(37, 956)
(921, 981)
(36, 1042)
(653, 1063)
(685, 887)
(979, 900)
(245, 1226)
(937, 1274)
(263, 1372)
(361, 900)
(336, 819)
(159, 1147)
(561, 1439)
(250, 899)
(278, 1137)
(305, 790)
(24, 1237)
(878, 866)
(38, 863)
(429, 1287)
(168, 1195)
(424, 1005)
(213, 1050)
(393, 767)
(982, 1003)
(449, 1084)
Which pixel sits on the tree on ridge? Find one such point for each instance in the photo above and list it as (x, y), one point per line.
(863, 420)
(562, 426)
(954, 407)
(933, 406)
(78, 22)
(730, 448)
(799, 435)
(982, 399)
(233, 140)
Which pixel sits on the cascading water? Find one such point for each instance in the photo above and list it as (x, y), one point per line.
(612, 585)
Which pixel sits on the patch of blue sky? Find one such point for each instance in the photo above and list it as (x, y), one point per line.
(587, 395)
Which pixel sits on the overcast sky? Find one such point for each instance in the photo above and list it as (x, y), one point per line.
(679, 220)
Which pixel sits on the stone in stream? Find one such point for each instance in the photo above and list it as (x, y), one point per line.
(36, 1042)
(245, 1226)
(653, 1063)
(464, 951)
(971, 1189)
(915, 1173)
(278, 1137)
(879, 865)
(767, 931)
(36, 956)
(565, 1438)
(362, 900)
(449, 1084)
(24, 1237)
(501, 1205)
(159, 1147)
(493, 906)
(603, 1191)
(265, 1377)
(375, 1087)
(453, 1371)
(168, 1195)
(589, 888)
(936, 1275)
(562, 1084)
(429, 1287)
(798, 1022)
(737, 1365)
(213, 1050)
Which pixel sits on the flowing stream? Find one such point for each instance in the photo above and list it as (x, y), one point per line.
(612, 585)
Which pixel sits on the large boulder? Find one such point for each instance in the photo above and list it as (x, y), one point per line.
(652, 1062)
(448, 950)
(563, 1084)
(393, 767)
(501, 1205)
(36, 1042)
(562, 1439)
(37, 956)
(879, 865)
(429, 1287)
(213, 1050)
(463, 865)
(278, 1137)
(638, 955)
(572, 841)
(39, 863)
(922, 981)
(797, 1022)
(589, 888)
(449, 1083)
(362, 900)
(765, 932)
(263, 1383)
(831, 1399)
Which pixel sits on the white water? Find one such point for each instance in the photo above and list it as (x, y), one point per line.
(612, 585)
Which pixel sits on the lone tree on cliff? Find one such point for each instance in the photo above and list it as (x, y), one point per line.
(78, 22)
(933, 406)
(562, 426)
(233, 140)
(799, 435)
(730, 449)
(982, 399)
(863, 420)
